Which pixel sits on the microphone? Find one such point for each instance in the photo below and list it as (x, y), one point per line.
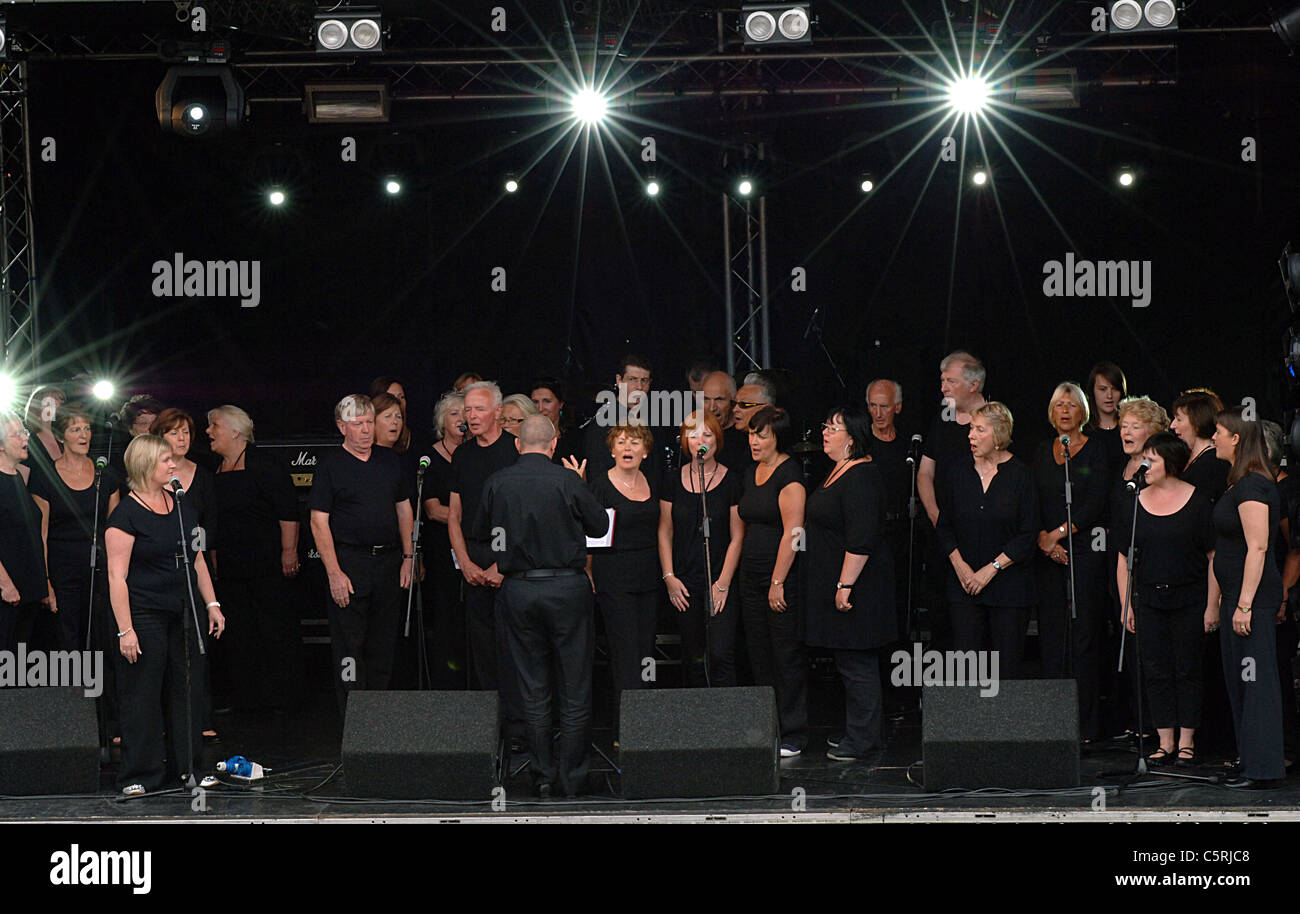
(424, 462)
(100, 463)
(704, 449)
(914, 451)
(1139, 478)
(176, 486)
(464, 429)
(1065, 441)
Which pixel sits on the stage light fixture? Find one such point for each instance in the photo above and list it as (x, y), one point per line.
(8, 392)
(589, 106)
(652, 188)
(393, 186)
(193, 100)
(102, 390)
(276, 197)
(745, 187)
(357, 102)
(1289, 264)
(968, 95)
(979, 177)
(1126, 177)
(1128, 16)
(1287, 27)
(867, 184)
(4, 39)
(775, 23)
(348, 31)
(512, 184)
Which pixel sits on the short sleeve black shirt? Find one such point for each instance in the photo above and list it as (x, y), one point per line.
(360, 496)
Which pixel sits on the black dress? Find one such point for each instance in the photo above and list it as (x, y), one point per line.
(983, 525)
(1208, 473)
(688, 566)
(443, 603)
(22, 557)
(1091, 484)
(627, 579)
(774, 639)
(1256, 700)
(848, 517)
(1169, 596)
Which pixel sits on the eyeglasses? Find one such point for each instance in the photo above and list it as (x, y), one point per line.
(748, 404)
(511, 421)
(827, 427)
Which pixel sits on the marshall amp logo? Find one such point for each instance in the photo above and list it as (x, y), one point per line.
(303, 460)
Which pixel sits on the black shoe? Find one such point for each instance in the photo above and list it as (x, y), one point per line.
(834, 740)
(1186, 757)
(543, 791)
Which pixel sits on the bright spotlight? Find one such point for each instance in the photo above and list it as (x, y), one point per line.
(652, 188)
(745, 187)
(511, 185)
(968, 95)
(276, 197)
(979, 177)
(103, 390)
(197, 112)
(1125, 178)
(393, 186)
(589, 106)
(867, 185)
(8, 391)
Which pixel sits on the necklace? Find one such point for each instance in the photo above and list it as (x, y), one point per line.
(225, 469)
(630, 486)
(837, 472)
(708, 478)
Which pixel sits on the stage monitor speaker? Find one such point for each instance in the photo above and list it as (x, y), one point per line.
(421, 745)
(49, 742)
(699, 743)
(1024, 737)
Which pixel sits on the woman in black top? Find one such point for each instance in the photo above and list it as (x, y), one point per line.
(1193, 420)
(1072, 651)
(43, 448)
(23, 584)
(1175, 539)
(849, 579)
(199, 509)
(443, 602)
(771, 506)
(1243, 576)
(624, 574)
(988, 523)
(1107, 386)
(548, 396)
(258, 526)
(67, 498)
(681, 553)
(150, 597)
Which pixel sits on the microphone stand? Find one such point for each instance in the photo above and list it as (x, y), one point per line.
(101, 712)
(422, 678)
(708, 572)
(1069, 537)
(198, 633)
(911, 547)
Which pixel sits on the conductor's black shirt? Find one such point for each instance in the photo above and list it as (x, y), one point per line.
(543, 513)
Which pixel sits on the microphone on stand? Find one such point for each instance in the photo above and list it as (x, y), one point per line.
(100, 463)
(914, 451)
(1065, 445)
(704, 449)
(424, 464)
(176, 486)
(1139, 479)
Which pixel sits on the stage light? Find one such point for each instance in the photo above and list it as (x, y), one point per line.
(4, 39)
(1126, 14)
(979, 177)
(589, 106)
(199, 99)
(1289, 264)
(866, 184)
(1126, 177)
(1132, 16)
(968, 95)
(8, 392)
(348, 31)
(355, 102)
(276, 197)
(652, 188)
(745, 187)
(512, 184)
(775, 23)
(103, 390)
(1287, 27)
(393, 186)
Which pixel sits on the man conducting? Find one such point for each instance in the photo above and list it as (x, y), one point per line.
(545, 513)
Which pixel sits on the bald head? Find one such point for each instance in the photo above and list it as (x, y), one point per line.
(535, 435)
(719, 390)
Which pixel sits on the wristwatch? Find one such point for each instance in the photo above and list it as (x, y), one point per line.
(997, 564)
(840, 586)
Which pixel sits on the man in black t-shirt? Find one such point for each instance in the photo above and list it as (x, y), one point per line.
(361, 521)
(887, 452)
(485, 450)
(719, 391)
(629, 403)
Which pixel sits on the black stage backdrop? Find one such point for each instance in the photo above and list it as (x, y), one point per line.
(355, 284)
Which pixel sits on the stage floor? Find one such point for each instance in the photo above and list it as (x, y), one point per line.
(306, 786)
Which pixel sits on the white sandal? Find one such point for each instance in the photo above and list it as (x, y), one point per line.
(134, 790)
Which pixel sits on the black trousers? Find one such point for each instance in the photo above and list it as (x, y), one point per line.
(1171, 662)
(1253, 693)
(1056, 636)
(261, 649)
(71, 590)
(776, 653)
(860, 672)
(714, 635)
(1286, 651)
(550, 630)
(630, 622)
(977, 627)
(492, 665)
(445, 621)
(156, 681)
(17, 624)
(364, 632)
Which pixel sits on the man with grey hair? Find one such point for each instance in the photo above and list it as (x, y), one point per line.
(545, 514)
(486, 449)
(361, 521)
(887, 451)
(757, 392)
(961, 381)
(719, 394)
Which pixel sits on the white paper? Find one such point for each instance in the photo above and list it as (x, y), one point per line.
(453, 560)
(608, 538)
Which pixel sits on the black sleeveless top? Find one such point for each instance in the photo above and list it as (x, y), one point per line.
(21, 552)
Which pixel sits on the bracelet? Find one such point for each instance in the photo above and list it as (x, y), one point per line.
(408, 555)
(778, 583)
(719, 587)
(1061, 528)
(125, 633)
(667, 576)
(1244, 609)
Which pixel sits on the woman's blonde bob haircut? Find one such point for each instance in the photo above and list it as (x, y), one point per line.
(141, 457)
